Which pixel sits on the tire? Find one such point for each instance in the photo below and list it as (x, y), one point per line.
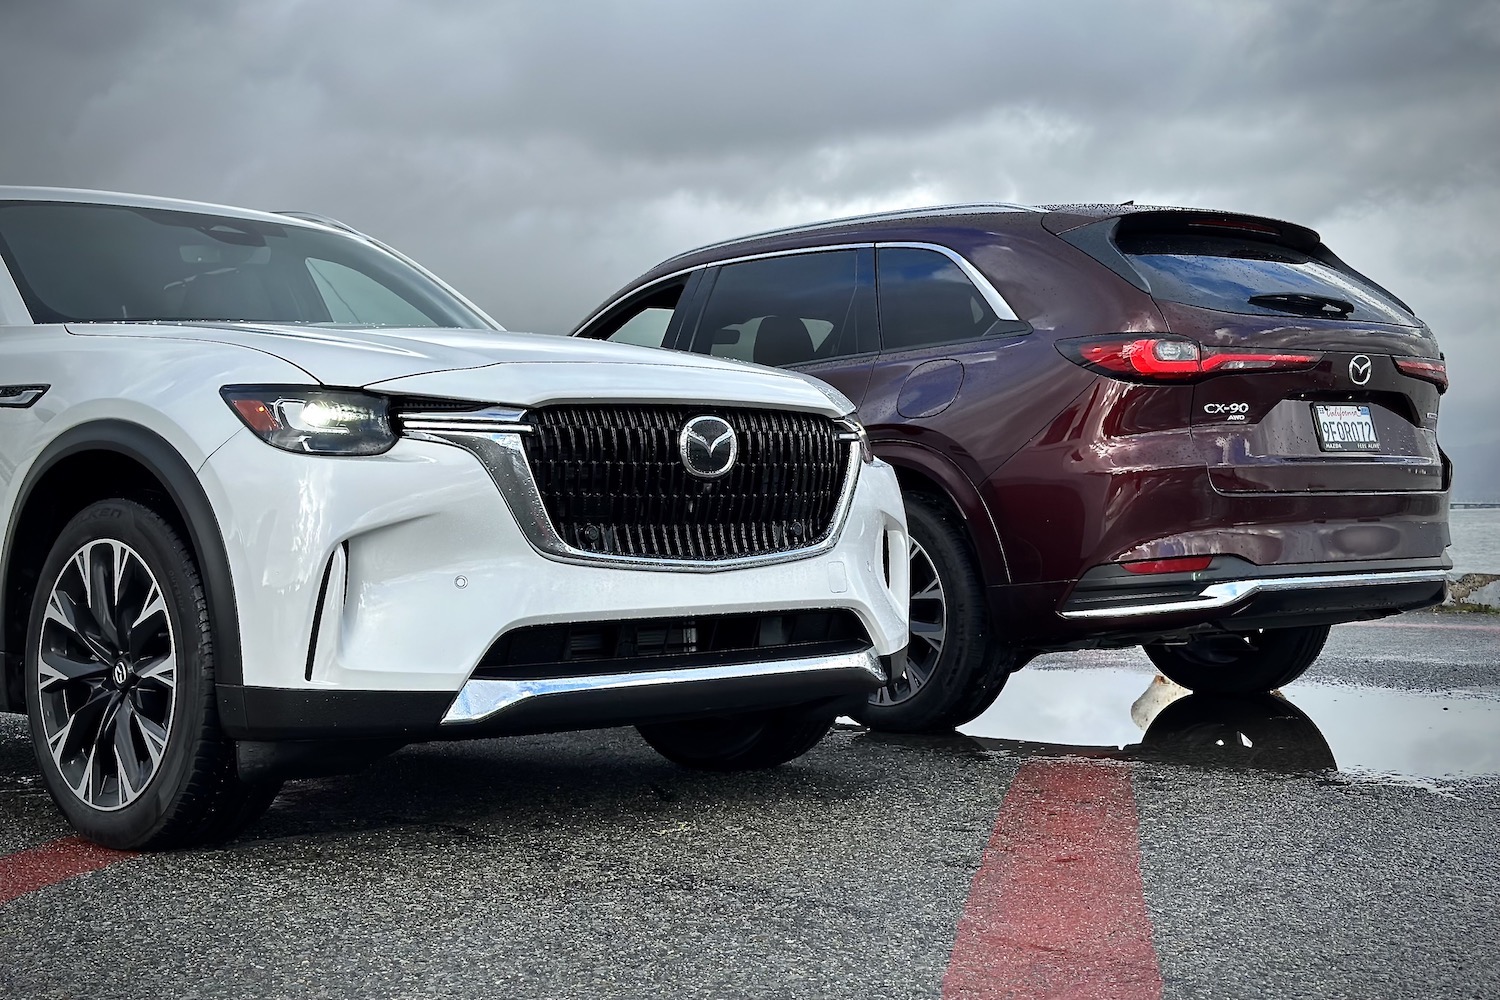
(738, 742)
(1240, 663)
(120, 688)
(955, 667)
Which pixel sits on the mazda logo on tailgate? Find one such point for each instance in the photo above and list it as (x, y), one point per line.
(708, 446)
(1359, 369)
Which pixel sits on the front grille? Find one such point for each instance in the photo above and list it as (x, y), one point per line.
(613, 481)
(592, 648)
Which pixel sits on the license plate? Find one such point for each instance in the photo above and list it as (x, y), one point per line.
(1345, 427)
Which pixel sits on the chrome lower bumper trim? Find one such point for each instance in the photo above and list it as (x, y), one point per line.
(1222, 595)
(484, 698)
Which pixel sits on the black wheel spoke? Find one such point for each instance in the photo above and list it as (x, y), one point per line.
(58, 668)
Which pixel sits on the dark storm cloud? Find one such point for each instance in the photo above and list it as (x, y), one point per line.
(541, 154)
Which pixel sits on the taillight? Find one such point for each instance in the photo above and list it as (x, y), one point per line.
(1175, 359)
(1435, 372)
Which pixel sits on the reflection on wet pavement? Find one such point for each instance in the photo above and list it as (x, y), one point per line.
(1126, 713)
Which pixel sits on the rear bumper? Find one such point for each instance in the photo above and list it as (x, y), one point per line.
(1115, 593)
(1112, 607)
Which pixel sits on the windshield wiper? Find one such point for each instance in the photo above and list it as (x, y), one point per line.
(1304, 304)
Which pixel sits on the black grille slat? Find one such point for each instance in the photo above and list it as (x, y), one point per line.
(613, 483)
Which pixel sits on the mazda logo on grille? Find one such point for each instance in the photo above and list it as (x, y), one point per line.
(708, 446)
(1360, 369)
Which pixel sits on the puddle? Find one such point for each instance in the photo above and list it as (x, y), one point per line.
(1108, 711)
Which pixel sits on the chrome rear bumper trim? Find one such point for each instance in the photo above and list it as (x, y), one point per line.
(484, 698)
(1222, 595)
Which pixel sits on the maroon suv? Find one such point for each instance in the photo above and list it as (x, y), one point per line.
(1196, 431)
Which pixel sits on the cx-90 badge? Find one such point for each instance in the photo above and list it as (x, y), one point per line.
(708, 446)
(1360, 369)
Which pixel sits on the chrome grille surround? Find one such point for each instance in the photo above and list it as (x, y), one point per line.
(501, 437)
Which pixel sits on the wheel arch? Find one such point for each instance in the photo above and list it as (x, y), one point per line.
(94, 461)
(919, 469)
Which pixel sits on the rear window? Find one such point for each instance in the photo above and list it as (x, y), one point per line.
(1227, 273)
(109, 263)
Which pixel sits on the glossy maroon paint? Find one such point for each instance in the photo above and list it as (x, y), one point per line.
(1057, 469)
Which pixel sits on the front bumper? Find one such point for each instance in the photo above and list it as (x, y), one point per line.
(397, 573)
(835, 683)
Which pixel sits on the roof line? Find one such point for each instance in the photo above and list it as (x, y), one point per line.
(974, 208)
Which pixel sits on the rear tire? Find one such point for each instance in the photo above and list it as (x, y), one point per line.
(1240, 663)
(955, 667)
(738, 742)
(120, 687)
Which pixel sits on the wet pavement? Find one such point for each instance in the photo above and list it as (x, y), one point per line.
(1334, 719)
(1337, 842)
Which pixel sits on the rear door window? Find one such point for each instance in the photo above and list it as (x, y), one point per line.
(1239, 275)
(781, 311)
(926, 299)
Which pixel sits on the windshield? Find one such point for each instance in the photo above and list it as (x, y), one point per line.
(111, 264)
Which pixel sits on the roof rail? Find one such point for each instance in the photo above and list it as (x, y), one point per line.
(976, 208)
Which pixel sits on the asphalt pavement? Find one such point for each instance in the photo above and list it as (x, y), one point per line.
(1341, 847)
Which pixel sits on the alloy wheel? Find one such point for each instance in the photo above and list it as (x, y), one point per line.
(929, 627)
(107, 674)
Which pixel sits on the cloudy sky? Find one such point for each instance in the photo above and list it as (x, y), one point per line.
(541, 154)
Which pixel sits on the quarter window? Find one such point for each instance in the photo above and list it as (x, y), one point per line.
(643, 321)
(782, 310)
(926, 299)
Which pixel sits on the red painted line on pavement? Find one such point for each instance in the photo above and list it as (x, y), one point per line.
(52, 862)
(1057, 908)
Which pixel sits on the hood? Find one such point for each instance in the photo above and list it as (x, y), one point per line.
(523, 369)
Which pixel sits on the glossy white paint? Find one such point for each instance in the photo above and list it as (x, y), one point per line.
(424, 514)
(416, 519)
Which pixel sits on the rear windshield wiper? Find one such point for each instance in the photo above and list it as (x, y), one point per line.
(1304, 304)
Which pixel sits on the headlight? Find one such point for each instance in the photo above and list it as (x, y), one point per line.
(853, 430)
(313, 421)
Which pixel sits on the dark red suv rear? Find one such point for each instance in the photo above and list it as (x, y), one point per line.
(1196, 431)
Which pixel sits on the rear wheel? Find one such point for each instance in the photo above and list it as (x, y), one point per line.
(1240, 663)
(119, 675)
(738, 742)
(954, 667)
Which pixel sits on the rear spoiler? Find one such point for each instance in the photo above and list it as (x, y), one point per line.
(1096, 230)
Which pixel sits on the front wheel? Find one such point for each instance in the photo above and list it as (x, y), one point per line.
(120, 689)
(1240, 663)
(738, 742)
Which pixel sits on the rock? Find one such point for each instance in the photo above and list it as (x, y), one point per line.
(1474, 592)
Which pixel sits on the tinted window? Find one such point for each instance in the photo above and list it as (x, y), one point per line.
(106, 263)
(782, 310)
(927, 299)
(1219, 272)
(643, 321)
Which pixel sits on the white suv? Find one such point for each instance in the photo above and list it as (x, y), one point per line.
(276, 501)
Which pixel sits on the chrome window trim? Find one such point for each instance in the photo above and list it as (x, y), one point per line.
(991, 294)
(498, 448)
(483, 698)
(1221, 595)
